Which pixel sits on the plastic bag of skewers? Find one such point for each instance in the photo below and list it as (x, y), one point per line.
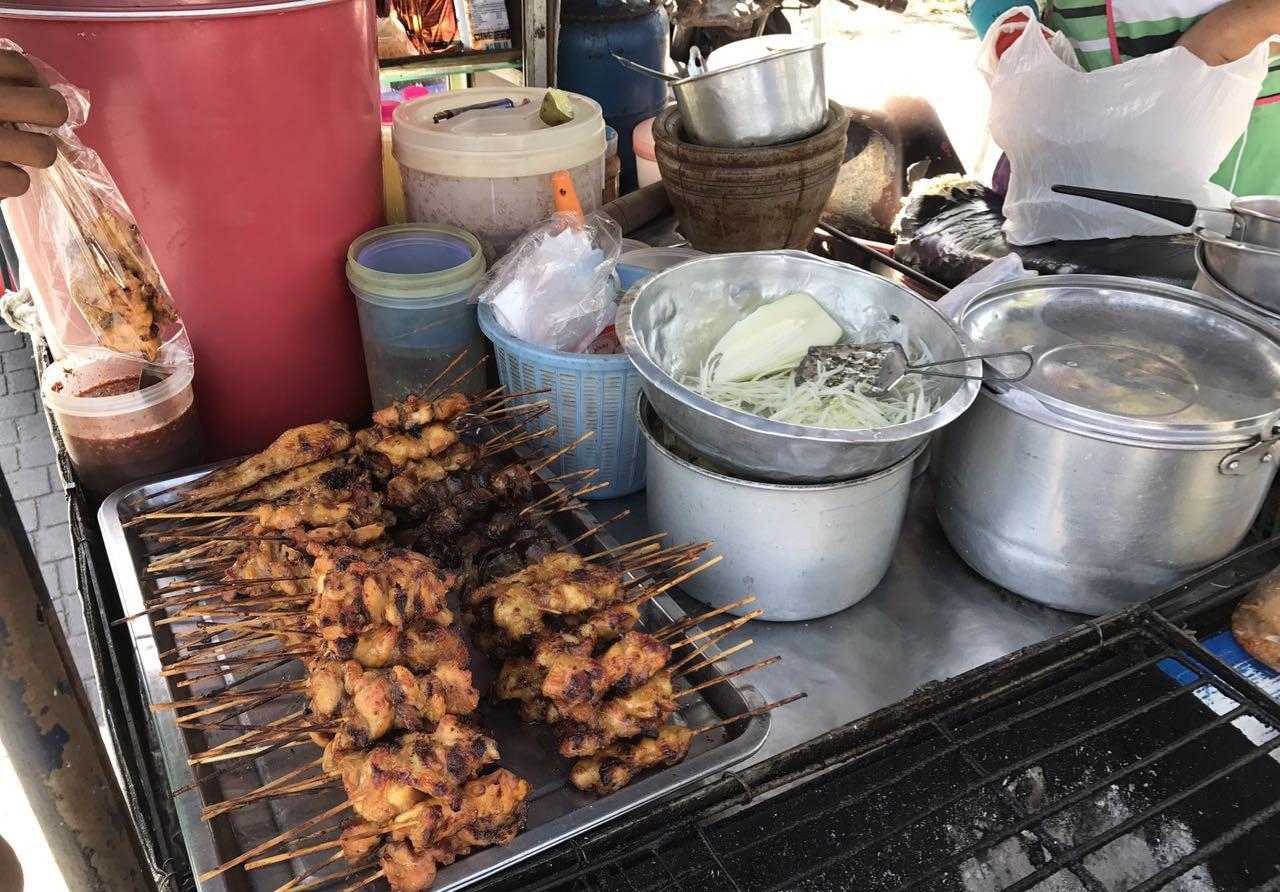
(96, 286)
(121, 385)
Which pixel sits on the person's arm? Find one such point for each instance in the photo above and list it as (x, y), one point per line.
(1232, 30)
(25, 99)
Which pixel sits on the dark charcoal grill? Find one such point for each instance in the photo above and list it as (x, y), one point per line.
(1122, 755)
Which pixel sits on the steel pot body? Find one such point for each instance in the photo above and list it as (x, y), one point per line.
(803, 551)
(1085, 523)
(767, 101)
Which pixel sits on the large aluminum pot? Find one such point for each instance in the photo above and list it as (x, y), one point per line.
(803, 551)
(669, 323)
(1135, 454)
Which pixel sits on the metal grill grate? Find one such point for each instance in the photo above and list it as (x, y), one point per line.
(1122, 755)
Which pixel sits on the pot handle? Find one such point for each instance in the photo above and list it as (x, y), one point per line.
(1259, 453)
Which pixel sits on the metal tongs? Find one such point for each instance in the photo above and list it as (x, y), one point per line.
(875, 368)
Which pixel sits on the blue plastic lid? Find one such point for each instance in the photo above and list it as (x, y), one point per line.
(411, 262)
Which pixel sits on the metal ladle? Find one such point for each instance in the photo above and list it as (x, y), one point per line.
(878, 366)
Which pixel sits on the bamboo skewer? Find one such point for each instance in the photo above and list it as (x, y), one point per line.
(727, 676)
(598, 527)
(723, 627)
(626, 545)
(293, 884)
(690, 666)
(360, 885)
(550, 459)
(751, 713)
(691, 621)
(272, 842)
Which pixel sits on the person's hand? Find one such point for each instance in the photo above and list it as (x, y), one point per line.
(25, 99)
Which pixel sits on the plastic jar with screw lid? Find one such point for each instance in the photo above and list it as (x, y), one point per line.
(488, 170)
(123, 419)
(412, 284)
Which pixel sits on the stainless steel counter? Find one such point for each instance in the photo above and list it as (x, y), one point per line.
(930, 618)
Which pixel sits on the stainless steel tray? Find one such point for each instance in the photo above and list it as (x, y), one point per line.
(556, 810)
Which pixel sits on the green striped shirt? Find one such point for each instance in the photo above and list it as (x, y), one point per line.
(1107, 32)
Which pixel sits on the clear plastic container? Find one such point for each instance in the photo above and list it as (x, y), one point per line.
(488, 171)
(412, 283)
(122, 419)
(646, 157)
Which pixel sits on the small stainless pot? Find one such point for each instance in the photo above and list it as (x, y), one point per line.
(1257, 220)
(804, 551)
(1084, 522)
(766, 101)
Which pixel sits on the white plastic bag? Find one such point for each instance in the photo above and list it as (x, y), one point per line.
(1007, 269)
(555, 287)
(1157, 125)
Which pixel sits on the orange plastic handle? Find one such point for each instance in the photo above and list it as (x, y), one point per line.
(566, 197)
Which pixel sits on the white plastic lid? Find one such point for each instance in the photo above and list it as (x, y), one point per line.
(495, 142)
(642, 140)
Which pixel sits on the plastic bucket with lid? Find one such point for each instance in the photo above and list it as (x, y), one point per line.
(122, 419)
(488, 170)
(411, 282)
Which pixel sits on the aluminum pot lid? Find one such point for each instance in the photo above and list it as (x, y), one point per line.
(1134, 358)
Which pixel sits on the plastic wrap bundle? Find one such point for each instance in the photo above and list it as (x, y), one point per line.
(556, 287)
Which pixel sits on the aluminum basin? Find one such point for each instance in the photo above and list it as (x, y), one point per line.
(669, 323)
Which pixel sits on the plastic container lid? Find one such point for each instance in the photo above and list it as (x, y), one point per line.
(495, 143)
(409, 264)
(1134, 359)
(642, 140)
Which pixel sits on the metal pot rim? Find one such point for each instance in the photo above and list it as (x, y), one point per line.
(1133, 432)
(657, 377)
(1240, 206)
(644, 410)
(738, 66)
(1218, 240)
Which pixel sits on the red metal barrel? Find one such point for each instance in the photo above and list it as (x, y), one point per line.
(246, 140)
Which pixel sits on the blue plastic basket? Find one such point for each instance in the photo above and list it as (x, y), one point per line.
(587, 393)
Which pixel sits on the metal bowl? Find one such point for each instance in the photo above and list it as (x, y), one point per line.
(1257, 220)
(1251, 271)
(1208, 285)
(669, 323)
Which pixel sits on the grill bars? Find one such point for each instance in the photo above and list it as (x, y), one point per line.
(1123, 755)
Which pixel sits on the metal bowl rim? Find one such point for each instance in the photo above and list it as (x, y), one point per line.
(656, 376)
(1202, 265)
(642, 402)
